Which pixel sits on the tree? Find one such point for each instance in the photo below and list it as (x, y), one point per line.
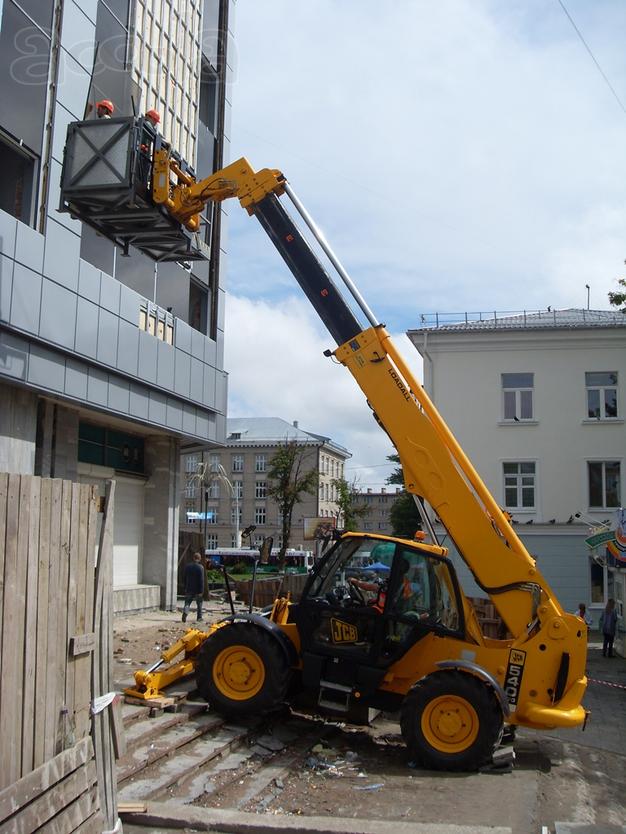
(404, 515)
(288, 480)
(618, 299)
(347, 501)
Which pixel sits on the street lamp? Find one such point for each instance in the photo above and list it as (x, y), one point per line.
(217, 473)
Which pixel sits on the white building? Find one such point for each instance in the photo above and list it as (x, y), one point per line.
(538, 401)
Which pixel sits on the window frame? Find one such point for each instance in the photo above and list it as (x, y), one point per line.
(603, 463)
(260, 462)
(602, 389)
(520, 486)
(517, 391)
(236, 463)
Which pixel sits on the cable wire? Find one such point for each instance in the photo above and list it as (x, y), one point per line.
(593, 57)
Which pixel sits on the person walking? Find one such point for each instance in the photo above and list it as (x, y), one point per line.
(608, 626)
(194, 586)
(582, 613)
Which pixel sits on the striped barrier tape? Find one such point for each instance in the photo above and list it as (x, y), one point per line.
(607, 683)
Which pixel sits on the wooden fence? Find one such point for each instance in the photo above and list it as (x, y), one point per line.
(54, 570)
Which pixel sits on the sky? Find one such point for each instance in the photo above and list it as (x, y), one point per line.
(459, 155)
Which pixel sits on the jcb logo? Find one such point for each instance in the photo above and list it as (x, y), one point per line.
(514, 673)
(342, 632)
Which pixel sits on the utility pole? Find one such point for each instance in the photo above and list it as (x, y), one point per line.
(588, 290)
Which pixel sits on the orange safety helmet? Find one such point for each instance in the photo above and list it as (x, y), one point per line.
(106, 104)
(152, 114)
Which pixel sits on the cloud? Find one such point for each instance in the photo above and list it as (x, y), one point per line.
(277, 369)
(463, 155)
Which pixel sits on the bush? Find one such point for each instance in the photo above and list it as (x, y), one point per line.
(240, 567)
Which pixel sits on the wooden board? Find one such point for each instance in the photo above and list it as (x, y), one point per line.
(30, 631)
(42, 621)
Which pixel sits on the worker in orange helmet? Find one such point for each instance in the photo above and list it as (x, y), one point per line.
(153, 117)
(105, 109)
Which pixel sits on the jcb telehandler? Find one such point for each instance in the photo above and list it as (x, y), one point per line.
(415, 645)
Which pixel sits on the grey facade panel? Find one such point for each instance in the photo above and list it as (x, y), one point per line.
(203, 425)
(26, 299)
(59, 305)
(221, 392)
(147, 357)
(183, 337)
(119, 395)
(110, 294)
(209, 352)
(76, 378)
(14, 355)
(130, 302)
(165, 365)
(73, 86)
(139, 401)
(46, 369)
(78, 35)
(157, 409)
(107, 337)
(208, 396)
(62, 118)
(61, 255)
(90, 8)
(174, 414)
(128, 348)
(29, 247)
(6, 286)
(197, 380)
(98, 387)
(8, 233)
(182, 373)
(89, 281)
(86, 341)
(189, 419)
(55, 198)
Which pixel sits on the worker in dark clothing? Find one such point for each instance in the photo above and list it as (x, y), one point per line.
(194, 586)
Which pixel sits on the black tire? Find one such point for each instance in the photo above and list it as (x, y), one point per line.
(242, 669)
(451, 721)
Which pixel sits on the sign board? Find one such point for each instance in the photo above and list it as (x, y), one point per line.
(318, 527)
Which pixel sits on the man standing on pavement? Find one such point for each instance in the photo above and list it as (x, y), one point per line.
(608, 626)
(194, 586)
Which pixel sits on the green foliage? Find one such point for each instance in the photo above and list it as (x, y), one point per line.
(348, 503)
(396, 476)
(214, 577)
(618, 299)
(404, 516)
(288, 481)
(239, 567)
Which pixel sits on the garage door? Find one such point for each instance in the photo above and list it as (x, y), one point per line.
(128, 528)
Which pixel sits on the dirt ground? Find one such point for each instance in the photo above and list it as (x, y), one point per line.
(366, 773)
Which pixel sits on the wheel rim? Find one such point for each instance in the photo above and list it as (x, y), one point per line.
(238, 673)
(450, 724)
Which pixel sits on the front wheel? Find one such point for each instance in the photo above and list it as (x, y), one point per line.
(451, 721)
(242, 669)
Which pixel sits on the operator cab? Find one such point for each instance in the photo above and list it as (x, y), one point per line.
(368, 602)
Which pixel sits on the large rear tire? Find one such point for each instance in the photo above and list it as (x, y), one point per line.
(451, 721)
(242, 669)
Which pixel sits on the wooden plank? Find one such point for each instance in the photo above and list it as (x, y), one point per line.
(65, 737)
(41, 638)
(82, 663)
(71, 598)
(55, 654)
(23, 525)
(49, 804)
(117, 728)
(25, 790)
(93, 825)
(4, 486)
(30, 627)
(10, 749)
(82, 644)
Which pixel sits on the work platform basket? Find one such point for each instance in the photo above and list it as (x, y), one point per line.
(105, 182)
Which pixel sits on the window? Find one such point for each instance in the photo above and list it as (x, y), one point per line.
(235, 515)
(237, 461)
(190, 489)
(198, 305)
(519, 486)
(211, 541)
(260, 463)
(214, 463)
(259, 515)
(601, 395)
(211, 515)
(517, 397)
(604, 484)
(260, 489)
(191, 464)
(238, 489)
(17, 187)
(598, 581)
(213, 490)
